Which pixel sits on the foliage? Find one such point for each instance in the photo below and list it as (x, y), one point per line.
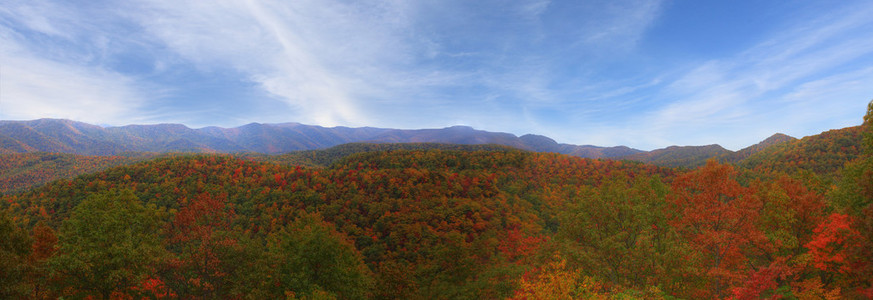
(833, 239)
(326, 157)
(716, 215)
(108, 245)
(207, 257)
(14, 249)
(555, 281)
(619, 232)
(314, 259)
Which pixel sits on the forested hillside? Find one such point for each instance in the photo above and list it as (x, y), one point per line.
(19, 171)
(767, 143)
(825, 153)
(423, 222)
(435, 222)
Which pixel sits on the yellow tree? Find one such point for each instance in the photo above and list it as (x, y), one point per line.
(556, 282)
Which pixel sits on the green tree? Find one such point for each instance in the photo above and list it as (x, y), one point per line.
(109, 245)
(868, 130)
(855, 191)
(314, 261)
(619, 232)
(14, 249)
(854, 196)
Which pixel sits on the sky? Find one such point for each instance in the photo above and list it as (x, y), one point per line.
(645, 74)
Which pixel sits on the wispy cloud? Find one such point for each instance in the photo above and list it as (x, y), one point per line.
(619, 25)
(753, 91)
(343, 63)
(337, 62)
(320, 57)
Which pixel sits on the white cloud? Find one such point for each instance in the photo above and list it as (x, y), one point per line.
(46, 80)
(32, 88)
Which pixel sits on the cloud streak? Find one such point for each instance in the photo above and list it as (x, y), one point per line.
(320, 57)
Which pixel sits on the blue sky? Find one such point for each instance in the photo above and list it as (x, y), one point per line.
(646, 74)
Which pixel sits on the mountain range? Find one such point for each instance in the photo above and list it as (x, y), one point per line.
(66, 136)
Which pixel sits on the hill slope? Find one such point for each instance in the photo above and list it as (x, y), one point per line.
(775, 139)
(20, 171)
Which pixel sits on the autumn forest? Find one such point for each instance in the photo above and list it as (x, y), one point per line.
(436, 221)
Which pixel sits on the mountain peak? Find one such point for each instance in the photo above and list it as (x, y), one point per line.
(538, 139)
(774, 139)
(540, 143)
(777, 138)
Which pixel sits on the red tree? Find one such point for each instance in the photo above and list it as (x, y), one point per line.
(717, 216)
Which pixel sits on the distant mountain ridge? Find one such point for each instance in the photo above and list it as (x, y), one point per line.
(694, 156)
(66, 136)
(822, 154)
(680, 156)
